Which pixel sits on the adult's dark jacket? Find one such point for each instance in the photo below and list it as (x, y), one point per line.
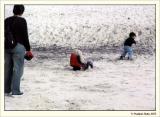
(19, 30)
(129, 42)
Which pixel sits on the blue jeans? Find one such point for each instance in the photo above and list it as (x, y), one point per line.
(14, 65)
(127, 50)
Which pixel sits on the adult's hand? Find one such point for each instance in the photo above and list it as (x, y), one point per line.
(28, 56)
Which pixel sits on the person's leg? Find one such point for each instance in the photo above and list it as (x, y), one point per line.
(124, 52)
(8, 71)
(84, 66)
(18, 61)
(89, 63)
(130, 53)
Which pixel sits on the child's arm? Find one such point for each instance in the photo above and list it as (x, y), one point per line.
(134, 41)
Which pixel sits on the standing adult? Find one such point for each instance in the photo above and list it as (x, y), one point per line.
(16, 45)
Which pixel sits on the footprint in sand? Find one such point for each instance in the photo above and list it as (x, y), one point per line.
(72, 105)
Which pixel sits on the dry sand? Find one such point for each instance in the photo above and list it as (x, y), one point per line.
(50, 84)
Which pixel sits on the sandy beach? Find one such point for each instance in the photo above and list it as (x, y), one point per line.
(99, 31)
(50, 84)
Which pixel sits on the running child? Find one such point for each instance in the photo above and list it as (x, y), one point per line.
(128, 46)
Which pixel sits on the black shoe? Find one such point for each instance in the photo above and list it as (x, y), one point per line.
(20, 93)
(121, 58)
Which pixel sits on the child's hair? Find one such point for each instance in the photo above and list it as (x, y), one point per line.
(132, 34)
(18, 9)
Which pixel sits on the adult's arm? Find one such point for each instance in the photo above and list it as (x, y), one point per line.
(25, 35)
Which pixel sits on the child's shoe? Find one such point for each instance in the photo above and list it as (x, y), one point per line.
(121, 58)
